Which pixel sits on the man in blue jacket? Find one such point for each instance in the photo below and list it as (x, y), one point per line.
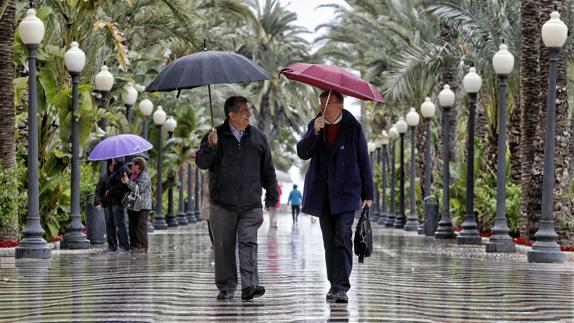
(295, 198)
(338, 183)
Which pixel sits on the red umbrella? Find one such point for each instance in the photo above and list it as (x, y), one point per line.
(331, 77)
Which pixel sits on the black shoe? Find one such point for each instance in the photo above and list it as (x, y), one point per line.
(225, 295)
(252, 292)
(330, 295)
(341, 297)
(110, 250)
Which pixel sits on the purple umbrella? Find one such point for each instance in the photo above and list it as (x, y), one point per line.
(119, 146)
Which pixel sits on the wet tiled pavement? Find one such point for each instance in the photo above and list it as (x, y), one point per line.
(409, 278)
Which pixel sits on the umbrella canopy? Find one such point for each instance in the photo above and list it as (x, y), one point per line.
(206, 68)
(283, 177)
(332, 77)
(119, 146)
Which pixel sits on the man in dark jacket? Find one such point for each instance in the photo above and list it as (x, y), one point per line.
(338, 182)
(110, 192)
(239, 161)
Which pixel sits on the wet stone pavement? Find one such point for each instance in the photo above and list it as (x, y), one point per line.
(408, 278)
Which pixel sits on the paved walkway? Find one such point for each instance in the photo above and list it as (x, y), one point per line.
(409, 278)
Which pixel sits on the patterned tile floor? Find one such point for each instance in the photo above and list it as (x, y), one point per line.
(409, 278)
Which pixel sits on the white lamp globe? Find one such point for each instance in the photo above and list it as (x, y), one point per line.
(472, 81)
(393, 132)
(129, 94)
(75, 59)
(170, 124)
(413, 118)
(428, 108)
(503, 61)
(372, 146)
(446, 97)
(402, 125)
(554, 31)
(31, 29)
(159, 116)
(104, 80)
(384, 138)
(146, 107)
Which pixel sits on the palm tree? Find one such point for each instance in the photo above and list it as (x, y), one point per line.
(7, 112)
(9, 225)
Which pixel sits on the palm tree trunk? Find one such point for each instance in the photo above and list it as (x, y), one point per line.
(530, 81)
(7, 112)
(9, 228)
(513, 134)
(563, 155)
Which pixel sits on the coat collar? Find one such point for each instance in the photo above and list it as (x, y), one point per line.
(226, 128)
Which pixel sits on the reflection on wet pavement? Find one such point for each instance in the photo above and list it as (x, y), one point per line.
(408, 278)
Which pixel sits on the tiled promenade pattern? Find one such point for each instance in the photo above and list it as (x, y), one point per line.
(409, 278)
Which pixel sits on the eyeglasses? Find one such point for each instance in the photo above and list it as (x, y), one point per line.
(245, 111)
(331, 103)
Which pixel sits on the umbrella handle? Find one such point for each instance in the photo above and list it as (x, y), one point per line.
(324, 110)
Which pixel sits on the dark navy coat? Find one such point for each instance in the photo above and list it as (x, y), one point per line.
(344, 170)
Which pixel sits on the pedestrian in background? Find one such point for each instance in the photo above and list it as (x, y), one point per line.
(140, 181)
(295, 199)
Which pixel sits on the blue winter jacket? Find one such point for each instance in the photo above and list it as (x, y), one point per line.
(343, 170)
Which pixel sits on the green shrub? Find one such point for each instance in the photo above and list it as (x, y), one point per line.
(10, 202)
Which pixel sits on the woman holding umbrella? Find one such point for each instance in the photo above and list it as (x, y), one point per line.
(115, 191)
(139, 181)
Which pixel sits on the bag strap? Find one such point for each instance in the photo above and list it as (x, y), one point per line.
(365, 211)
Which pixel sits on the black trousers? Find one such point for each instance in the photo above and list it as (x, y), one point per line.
(138, 228)
(116, 230)
(295, 211)
(338, 242)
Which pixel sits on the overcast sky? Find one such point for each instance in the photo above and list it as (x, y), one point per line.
(309, 16)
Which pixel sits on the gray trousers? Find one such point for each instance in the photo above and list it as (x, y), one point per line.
(228, 227)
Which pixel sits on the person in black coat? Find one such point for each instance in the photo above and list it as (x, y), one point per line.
(110, 192)
(239, 160)
(338, 182)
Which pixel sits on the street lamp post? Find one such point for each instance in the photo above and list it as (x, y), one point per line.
(372, 147)
(500, 241)
(159, 223)
(445, 101)
(181, 216)
(430, 217)
(402, 129)
(170, 126)
(546, 249)
(33, 244)
(190, 200)
(413, 120)
(384, 144)
(469, 235)
(196, 211)
(377, 201)
(129, 98)
(391, 218)
(75, 59)
(104, 83)
(146, 108)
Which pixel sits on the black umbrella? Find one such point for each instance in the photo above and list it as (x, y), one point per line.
(206, 68)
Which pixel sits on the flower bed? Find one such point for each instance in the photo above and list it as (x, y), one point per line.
(8, 244)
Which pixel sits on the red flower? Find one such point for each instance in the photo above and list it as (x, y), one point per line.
(486, 234)
(8, 244)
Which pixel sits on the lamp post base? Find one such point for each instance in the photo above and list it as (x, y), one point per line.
(191, 217)
(501, 245)
(390, 222)
(159, 223)
(382, 219)
(149, 226)
(182, 219)
(33, 248)
(546, 256)
(412, 223)
(172, 221)
(444, 231)
(196, 216)
(469, 240)
(75, 241)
